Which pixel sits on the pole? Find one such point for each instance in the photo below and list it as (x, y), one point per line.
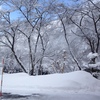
(2, 77)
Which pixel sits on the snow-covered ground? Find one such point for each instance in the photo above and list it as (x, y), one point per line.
(78, 85)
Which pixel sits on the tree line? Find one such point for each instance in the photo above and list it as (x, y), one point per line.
(28, 38)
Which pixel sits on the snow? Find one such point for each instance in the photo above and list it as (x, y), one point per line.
(92, 55)
(95, 1)
(80, 84)
(94, 65)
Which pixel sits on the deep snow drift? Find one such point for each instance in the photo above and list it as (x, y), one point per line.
(78, 82)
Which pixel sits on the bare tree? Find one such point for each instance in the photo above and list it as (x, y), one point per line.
(87, 23)
(62, 12)
(9, 31)
(33, 18)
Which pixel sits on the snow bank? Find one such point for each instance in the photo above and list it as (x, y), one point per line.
(22, 83)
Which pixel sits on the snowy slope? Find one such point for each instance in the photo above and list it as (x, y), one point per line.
(74, 82)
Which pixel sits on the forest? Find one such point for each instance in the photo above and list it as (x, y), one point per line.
(42, 37)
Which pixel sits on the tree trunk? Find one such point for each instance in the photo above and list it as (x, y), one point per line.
(19, 62)
(65, 33)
